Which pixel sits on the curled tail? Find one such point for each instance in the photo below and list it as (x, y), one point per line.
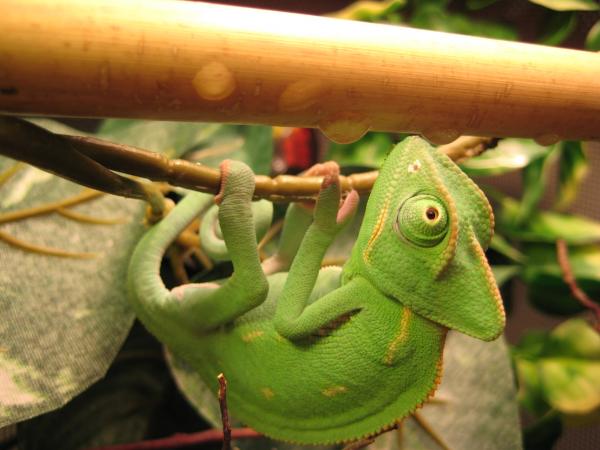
(211, 237)
(144, 282)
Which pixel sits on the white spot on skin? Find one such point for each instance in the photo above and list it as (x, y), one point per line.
(415, 166)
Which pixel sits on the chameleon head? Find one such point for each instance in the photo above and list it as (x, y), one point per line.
(423, 238)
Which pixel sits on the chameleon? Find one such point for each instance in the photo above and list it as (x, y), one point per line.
(315, 354)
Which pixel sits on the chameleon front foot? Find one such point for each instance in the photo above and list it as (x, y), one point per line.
(298, 218)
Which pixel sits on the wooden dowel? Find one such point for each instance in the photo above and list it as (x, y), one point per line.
(176, 60)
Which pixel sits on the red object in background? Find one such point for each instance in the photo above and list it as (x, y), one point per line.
(299, 149)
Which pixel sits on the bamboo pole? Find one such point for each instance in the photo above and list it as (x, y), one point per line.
(175, 60)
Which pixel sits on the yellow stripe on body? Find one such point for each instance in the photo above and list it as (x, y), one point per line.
(399, 338)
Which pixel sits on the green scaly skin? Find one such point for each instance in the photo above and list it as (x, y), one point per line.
(317, 355)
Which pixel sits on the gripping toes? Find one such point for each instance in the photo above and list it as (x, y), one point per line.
(329, 215)
(237, 179)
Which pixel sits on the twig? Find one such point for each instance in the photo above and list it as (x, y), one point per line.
(49, 251)
(361, 443)
(90, 161)
(10, 172)
(184, 440)
(79, 217)
(467, 147)
(562, 254)
(51, 207)
(430, 431)
(224, 412)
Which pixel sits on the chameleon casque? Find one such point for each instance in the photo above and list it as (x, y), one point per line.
(321, 355)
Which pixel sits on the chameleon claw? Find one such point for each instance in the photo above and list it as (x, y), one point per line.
(225, 170)
(348, 208)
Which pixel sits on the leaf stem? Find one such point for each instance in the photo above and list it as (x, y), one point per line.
(184, 440)
(46, 208)
(224, 412)
(562, 254)
(49, 251)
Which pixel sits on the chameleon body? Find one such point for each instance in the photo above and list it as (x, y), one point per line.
(319, 355)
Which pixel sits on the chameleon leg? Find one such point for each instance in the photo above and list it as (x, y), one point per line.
(247, 287)
(297, 220)
(144, 281)
(292, 318)
(211, 235)
(298, 217)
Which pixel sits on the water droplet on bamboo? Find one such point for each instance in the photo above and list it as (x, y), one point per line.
(547, 139)
(345, 128)
(441, 136)
(214, 81)
(302, 94)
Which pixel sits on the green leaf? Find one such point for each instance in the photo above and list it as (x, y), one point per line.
(557, 28)
(370, 11)
(475, 5)
(369, 151)
(63, 320)
(566, 368)
(433, 16)
(535, 177)
(531, 395)
(543, 434)
(502, 274)
(502, 246)
(568, 5)
(117, 409)
(592, 41)
(478, 402)
(571, 386)
(547, 290)
(201, 397)
(573, 169)
(543, 226)
(508, 156)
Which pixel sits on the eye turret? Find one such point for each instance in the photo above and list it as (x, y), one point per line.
(422, 220)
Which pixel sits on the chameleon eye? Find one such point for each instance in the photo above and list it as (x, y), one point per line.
(422, 220)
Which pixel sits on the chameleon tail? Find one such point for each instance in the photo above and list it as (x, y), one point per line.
(211, 238)
(144, 281)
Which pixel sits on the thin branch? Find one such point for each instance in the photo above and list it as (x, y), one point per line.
(429, 430)
(224, 412)
(82, 159)
(562, 253)
(467, 147)
(43, 250)
(361, 443)
(79, 217)
(180, 440)
(51, 207)
(10, 172)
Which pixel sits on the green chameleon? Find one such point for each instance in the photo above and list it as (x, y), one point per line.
(322, 355)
